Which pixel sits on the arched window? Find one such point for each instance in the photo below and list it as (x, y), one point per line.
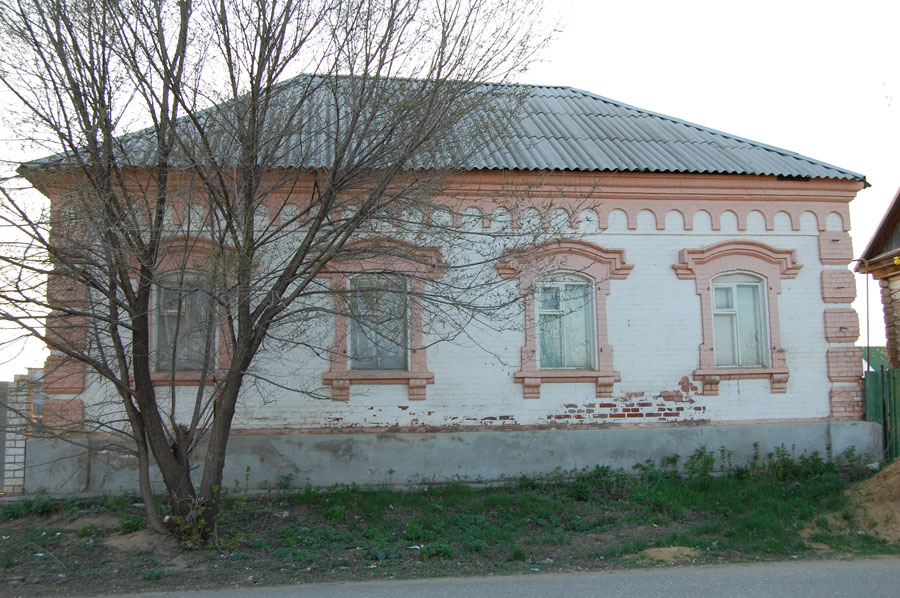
(378, 322)
(565, 322)
(378, 288)
(564, 285)
(740, 324)
(738, 283)
(185, 329)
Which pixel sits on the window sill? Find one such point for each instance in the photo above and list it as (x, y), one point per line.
(778, 377)
(180, 379)
(532, 380)
(340, 381)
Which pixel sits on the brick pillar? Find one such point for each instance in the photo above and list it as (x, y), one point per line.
(843, 360)
(16, 431)
(890, 303)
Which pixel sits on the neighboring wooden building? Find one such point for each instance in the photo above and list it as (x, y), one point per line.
(881, 259)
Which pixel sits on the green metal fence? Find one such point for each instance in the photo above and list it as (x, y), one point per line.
(883, 406)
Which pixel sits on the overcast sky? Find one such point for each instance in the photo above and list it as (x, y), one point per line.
(818, 78)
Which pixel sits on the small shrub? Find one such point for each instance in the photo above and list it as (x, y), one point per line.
(579, 490)
(307, 496)
(700, 463)
(152, 575)
(477, 545)
(43, 505)
(725, 456)
(283, 553)
(781, 465)
(336, 513)
(437, 551)
(118, 503)
(670, 463)
(15, 510)
(517, 554)
(130, 523)
(526, 483)
(384, 553)
(415, 531)
(87, 531)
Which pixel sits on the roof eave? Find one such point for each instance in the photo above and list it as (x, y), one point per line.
(883, 231)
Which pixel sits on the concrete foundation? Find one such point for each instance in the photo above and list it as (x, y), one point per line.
(262, 461)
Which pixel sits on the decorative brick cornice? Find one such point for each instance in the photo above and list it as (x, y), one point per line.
(736, 255)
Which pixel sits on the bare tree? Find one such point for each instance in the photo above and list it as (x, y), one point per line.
(212, 164)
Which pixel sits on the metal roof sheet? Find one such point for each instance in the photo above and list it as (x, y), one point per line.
(544, 128)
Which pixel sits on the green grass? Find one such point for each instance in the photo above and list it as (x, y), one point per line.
(770, 508)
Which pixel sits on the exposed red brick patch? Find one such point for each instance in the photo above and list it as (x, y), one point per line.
(63, 415)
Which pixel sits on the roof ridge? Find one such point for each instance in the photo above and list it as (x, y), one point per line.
(688, 123)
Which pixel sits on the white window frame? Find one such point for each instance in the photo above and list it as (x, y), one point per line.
(559, 281)
(165, 360)
(358, 325)
(732, 281)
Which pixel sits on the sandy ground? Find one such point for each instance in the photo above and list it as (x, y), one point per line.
(879, 500)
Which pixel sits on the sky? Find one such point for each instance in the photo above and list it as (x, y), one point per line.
(818, 78)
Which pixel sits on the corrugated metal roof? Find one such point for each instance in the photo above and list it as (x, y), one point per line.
(560, 128)
(535, 128)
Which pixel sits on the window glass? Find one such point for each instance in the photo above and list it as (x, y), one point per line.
(723, 298)
(566, 335)
(749, 324)
(378, 333)
(184, 325)
(739, 327)
(726, 352)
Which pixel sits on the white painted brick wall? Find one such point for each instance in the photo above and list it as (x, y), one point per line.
(654, 329)
(14, 456)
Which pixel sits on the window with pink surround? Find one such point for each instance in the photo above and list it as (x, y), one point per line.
(378, 316)
(738, 283)
(564, 285)
(188, 342)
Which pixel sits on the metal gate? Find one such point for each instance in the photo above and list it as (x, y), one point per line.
(883, 406)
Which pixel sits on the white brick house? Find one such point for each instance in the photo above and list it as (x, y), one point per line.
(700, 295)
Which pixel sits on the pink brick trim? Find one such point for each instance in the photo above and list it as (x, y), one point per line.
(738, 256)
(847, 403)
(658, 193)
(841, 325)
(844, 365)
(417, 265)
(838, 286)
(835, 248)
(598, 263)
(63, 415)
(63, 375)
(190, 261)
